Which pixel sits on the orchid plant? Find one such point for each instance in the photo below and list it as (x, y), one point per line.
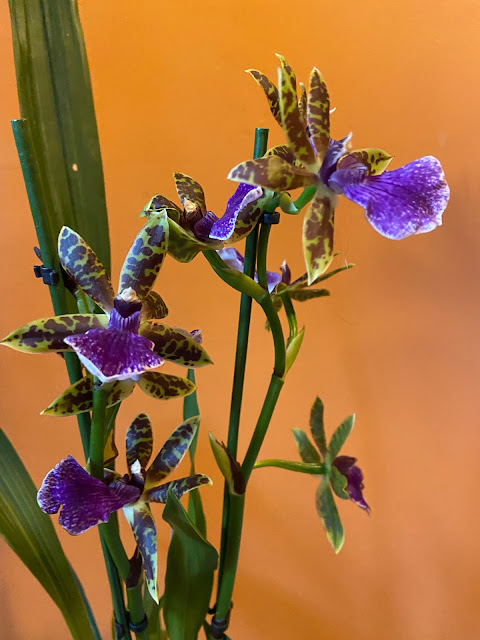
(112, 342)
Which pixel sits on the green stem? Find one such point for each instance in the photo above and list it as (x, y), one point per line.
(266, 303)
(262, 255)
(97, 436)
(116, 590)
(305, 197)
(292, 465)
(291, 315)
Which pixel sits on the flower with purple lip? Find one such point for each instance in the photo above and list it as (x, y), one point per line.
(193, 228)
(86, 501)
(340, 472)
(399, 203)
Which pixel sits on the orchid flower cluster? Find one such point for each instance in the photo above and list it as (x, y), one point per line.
(121, 341)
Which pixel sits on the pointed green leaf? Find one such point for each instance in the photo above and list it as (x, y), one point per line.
(340, 435)
(174, 345)
(318, 113)
(376, 160)
(145, 257)
(30, 534)
(144, 530)
(318, 233)
(271, 93)
(339, 483)
(189, 191)
(229, 466)
(293, 348)
(78, 398)
(179, 487)
(164, 386)
(292, 123)
(172, 452)
(82, 264)
(183, 246)
(302, 295)
(327, 510)
(272, 172)
(46, 334)
(307, 451)
(191, 563)
(154, 307)
(317, 426)
(139, 441)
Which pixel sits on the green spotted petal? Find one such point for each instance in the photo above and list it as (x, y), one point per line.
(172, 452)
(158, 203)
(287, 70)
(110, 451)
(183, 246)
(376, 160)
(81, 263)
(318, 233)
(174, 345)
(139, 441)
(272, 172)
(302, 295)
(302, 104)
(282, 151)
(318, 113)
(78, 398)
(179, 487)
(164, 386)
(307, 451)
(271, 93)
(141, 520)
(292, 123)
(47, 334)
(145, 257)
(248, 218)
(154, 307)
(189, 190)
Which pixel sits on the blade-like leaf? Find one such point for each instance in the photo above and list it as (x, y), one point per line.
(191, 563)
(172, 452)
(317, 426)
(327, 510)
(146, 256)
(174, 345)
(30, 533)
(78, 398)
(318, 234)
(340, 435)
(139, 441)
(307, 451)
(164, 386)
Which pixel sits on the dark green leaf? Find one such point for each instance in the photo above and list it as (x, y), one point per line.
(191, 563)
(340, 435)
(30, 533)
(327, 510)
(307, 451)
(317, 426)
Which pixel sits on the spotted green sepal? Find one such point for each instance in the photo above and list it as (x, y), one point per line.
(173, 345)
(230, 468)
(248, 218)
(141, 520)
(327, 510)
(293, 348)
(146, 255)
(339, 483)
(318, 113)
(287, 70)
(318, 234)
(164, 386)
(271, 93)
(172, 452)
(376, 160)
(78, 398)
(292, 123)
(317, 426)
(183, 246)
(158, 203)
(110, 451)
(302, 295)
(179, 487)
(307, 451)
(47, 334)
(154, 307)
(82, 264)
(139, 441)
(302, 104)
(189, 191)
(272, 172)
(340, 435)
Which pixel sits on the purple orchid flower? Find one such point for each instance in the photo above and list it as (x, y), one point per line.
(407, 201)
(86, 501)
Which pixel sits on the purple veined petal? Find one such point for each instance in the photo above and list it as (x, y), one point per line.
(114, 355)
(351, 173)
(406, 201)
(85, 501)
(197, 335)
(244, 195)
(347, 467)
(202, 228)
(235, 260)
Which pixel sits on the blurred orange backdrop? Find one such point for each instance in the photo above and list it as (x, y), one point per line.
(395, 343)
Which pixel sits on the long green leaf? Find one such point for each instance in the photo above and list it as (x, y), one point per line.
(31, 535)
(191, 563)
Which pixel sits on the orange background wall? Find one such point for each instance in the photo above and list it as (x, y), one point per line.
(396, 343)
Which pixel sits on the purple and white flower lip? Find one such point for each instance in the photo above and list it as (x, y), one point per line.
(118, 352)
